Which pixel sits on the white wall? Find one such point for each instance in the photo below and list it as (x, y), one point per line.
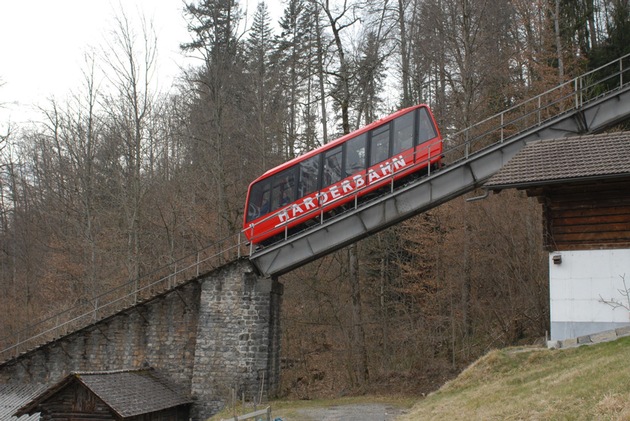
(576, 287)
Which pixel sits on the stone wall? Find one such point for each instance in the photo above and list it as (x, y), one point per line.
(215, 336)
(159, 333)
(238, 317)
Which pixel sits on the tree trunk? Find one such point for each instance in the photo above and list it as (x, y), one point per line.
(322, 79)
(556, 23)
(404, 56)
(358, 332)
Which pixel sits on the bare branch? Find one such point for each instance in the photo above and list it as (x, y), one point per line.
(616, 303)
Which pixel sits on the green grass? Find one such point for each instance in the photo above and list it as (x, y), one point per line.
(586, 383)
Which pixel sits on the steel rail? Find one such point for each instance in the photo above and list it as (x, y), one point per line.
(460, 145)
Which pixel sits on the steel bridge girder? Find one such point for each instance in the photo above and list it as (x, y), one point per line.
(461, 177)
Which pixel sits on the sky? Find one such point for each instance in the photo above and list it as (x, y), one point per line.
(43, 42)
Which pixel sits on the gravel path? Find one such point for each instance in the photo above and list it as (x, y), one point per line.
(358, 412)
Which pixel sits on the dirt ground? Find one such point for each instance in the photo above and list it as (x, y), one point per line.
(351, 412)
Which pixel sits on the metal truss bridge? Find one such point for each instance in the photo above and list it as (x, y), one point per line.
(590, 103)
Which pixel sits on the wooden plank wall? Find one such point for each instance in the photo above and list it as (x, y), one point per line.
(586, 216)
(75, 403)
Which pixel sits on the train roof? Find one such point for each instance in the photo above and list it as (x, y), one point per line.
(335, 142)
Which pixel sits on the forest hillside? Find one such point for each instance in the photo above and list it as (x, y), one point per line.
(118, 179)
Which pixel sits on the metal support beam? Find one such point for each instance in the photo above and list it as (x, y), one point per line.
(431, 191)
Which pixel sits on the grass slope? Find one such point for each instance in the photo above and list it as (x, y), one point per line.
(586, 383)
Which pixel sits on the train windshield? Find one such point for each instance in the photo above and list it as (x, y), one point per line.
(272, 193)
(426, 129)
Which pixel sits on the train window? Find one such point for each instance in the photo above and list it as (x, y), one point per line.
(403, 133)
(379, 144)
(283, 189)
(355, 155)
(332, 166)
(426, 128)
(309, 169)
(259, 199)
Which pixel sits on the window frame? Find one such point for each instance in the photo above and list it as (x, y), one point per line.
(371, 143)
(347, 171)
(414, 128)
(317, 185)
(326, 155)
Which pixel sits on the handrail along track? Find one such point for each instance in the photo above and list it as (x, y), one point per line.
(459, 146)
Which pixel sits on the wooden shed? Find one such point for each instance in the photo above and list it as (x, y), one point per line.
(583, 185)
(15, 395)
(114, 395)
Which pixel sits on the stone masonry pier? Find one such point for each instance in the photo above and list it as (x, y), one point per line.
(216, 335)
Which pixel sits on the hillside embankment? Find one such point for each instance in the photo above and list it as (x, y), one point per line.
(525, 383)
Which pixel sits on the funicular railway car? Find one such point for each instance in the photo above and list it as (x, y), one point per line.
(300, 192)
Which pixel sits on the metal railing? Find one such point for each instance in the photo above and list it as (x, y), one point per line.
(531, 113)
(125, 296)
(261, 412)
(526, 115)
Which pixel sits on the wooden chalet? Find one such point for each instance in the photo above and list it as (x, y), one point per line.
(583, 185)
(139, 395)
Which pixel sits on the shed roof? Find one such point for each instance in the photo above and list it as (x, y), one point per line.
(128, 393)
(14, 396)
(575, 158)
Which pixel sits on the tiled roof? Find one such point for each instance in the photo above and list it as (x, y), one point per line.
(127, 393)
(131, 393)
(14, 396)
(565, 159)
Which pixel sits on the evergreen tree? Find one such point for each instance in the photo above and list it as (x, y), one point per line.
(217, 126)
(213, 24)
(617, 43)
(263, 93)
(296, 56)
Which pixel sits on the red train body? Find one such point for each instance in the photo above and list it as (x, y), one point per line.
(298, 192)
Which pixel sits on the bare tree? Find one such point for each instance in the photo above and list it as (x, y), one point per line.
(339, 20)
(130, 59)
(558, 42)
(74, 134)
(4, 136)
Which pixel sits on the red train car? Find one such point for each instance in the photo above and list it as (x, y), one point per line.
(299, 192)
